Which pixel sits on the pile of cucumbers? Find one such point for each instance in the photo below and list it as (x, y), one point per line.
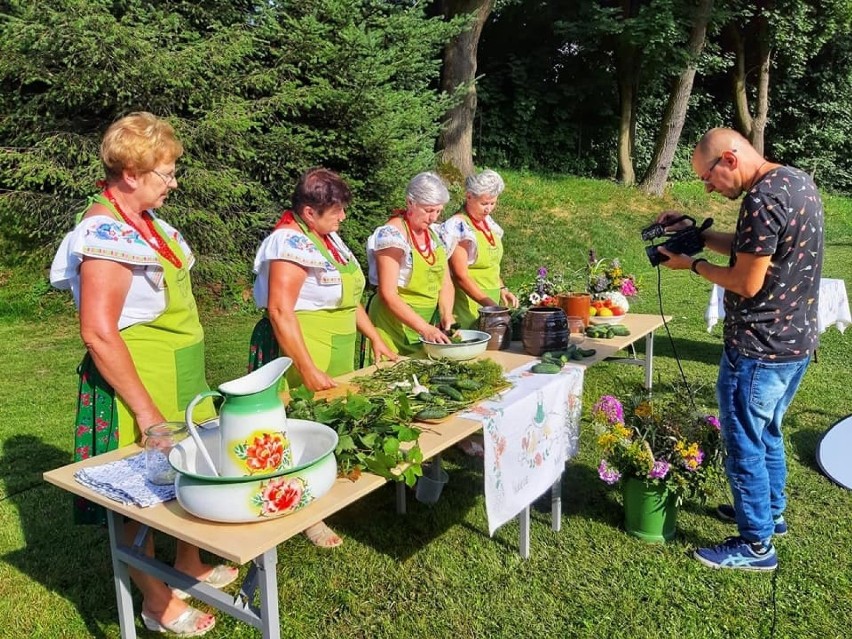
(444, 389)
(607, 331)
(553, 361)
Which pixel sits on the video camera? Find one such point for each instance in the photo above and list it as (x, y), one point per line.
(687, 241)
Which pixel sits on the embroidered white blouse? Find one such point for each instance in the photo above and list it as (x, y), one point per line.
(104, 237)
(389, 236)
(322, 288)
(457, 230)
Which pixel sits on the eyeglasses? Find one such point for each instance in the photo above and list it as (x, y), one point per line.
(167, 178)
(706, 177)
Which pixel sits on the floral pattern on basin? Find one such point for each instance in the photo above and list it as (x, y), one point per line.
(282, 496)
(263, 452)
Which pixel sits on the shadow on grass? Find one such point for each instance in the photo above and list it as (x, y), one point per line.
(72, 561)
(690, 350)
(374, 522)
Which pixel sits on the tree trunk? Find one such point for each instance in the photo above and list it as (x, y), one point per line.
(739, 83)
(655, 178)
(459, 74)
(761, 108)
(627, 69)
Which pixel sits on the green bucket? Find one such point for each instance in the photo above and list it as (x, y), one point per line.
(650, 511)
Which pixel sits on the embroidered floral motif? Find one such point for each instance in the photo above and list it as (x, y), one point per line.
(115, 232)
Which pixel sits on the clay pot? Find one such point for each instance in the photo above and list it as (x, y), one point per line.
(545, 329)
(576, 305)
(496, 321)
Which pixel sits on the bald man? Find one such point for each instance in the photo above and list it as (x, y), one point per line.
(771, 284)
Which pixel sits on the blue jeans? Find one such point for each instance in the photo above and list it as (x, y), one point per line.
(753, 396)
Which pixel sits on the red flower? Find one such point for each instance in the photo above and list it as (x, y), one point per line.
(82, 430)
(281, 496)
(86, 399)
(538, 459)
(101, 424)
(266, 452)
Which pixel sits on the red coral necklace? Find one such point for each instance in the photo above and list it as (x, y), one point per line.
(482, 227)
(154, 240)
(428, 254)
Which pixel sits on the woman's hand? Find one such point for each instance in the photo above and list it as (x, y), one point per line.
(435, 334)
(316, 380)
(383, 351)
(508, 298)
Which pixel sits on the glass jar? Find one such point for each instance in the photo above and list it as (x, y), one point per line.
(159, 441)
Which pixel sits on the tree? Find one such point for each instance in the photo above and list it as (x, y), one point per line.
(257, 91)
(655, 178)
(458, 78)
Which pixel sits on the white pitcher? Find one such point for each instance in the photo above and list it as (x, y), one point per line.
(252, 423)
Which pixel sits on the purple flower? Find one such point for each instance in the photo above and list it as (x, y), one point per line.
(542, 272)
(610, 409)
(628, 288)
(713, 421)
(660, 469)
(608, 474)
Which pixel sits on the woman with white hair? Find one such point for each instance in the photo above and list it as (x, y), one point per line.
(408, 266)
(475, 244)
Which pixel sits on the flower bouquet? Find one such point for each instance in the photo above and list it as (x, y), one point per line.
(667, 443)
(609, 286)
(541, 291)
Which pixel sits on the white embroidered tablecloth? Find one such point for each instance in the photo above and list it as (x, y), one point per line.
(529, 432)
(833, 306)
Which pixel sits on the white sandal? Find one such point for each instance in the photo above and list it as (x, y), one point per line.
(184, 625)
(321, 536)
(221, 576)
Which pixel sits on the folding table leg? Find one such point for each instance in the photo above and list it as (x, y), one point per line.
(524, 533)
(649, 360)
(270, 623)
(556, 504)
(400, 498)
(121, 577)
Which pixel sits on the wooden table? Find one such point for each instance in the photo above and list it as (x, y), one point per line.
(257, 542)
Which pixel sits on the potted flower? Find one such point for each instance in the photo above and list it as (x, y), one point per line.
(541, 291)
(662, 451)
(610, 285)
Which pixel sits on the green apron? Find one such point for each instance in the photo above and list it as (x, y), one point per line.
(330, 335)
(168, 351)
(485, 271)
(168, 355)
(421, 294)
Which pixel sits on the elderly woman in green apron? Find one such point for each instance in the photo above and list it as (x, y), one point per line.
(310, 284)
(408, 267)
(475, 244)
(129, 273)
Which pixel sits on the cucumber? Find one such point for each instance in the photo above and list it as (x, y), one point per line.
(545, 368)
(443, 379)
(450, 392)
(468, 384)
(431, 413)
(424, 396)
(576, 356)
(587, 352)
(620, 331)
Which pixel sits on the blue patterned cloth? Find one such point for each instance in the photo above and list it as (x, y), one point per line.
(124, 481)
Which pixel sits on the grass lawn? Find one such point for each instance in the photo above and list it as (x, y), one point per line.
(435, 572)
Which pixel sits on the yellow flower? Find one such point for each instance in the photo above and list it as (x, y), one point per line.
(644, 410)
(607, 441)
(621, 431)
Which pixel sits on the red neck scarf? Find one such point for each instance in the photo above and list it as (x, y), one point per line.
(156, 242)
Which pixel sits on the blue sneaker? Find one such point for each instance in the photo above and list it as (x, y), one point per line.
(739, 554)
(726, 512)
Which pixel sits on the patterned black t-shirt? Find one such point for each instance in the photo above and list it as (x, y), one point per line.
(782, 216)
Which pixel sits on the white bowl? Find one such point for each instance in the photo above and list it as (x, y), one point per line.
(473, 343)
(615, 319)
(246, 498)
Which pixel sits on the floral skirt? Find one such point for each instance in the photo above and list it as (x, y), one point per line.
(96, 430)
(263, 347)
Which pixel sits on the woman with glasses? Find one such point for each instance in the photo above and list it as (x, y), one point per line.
(129, 273)
(408, 267)
(310, 284)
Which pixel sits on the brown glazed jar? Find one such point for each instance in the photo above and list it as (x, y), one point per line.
(496, 321)
(545, 329)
